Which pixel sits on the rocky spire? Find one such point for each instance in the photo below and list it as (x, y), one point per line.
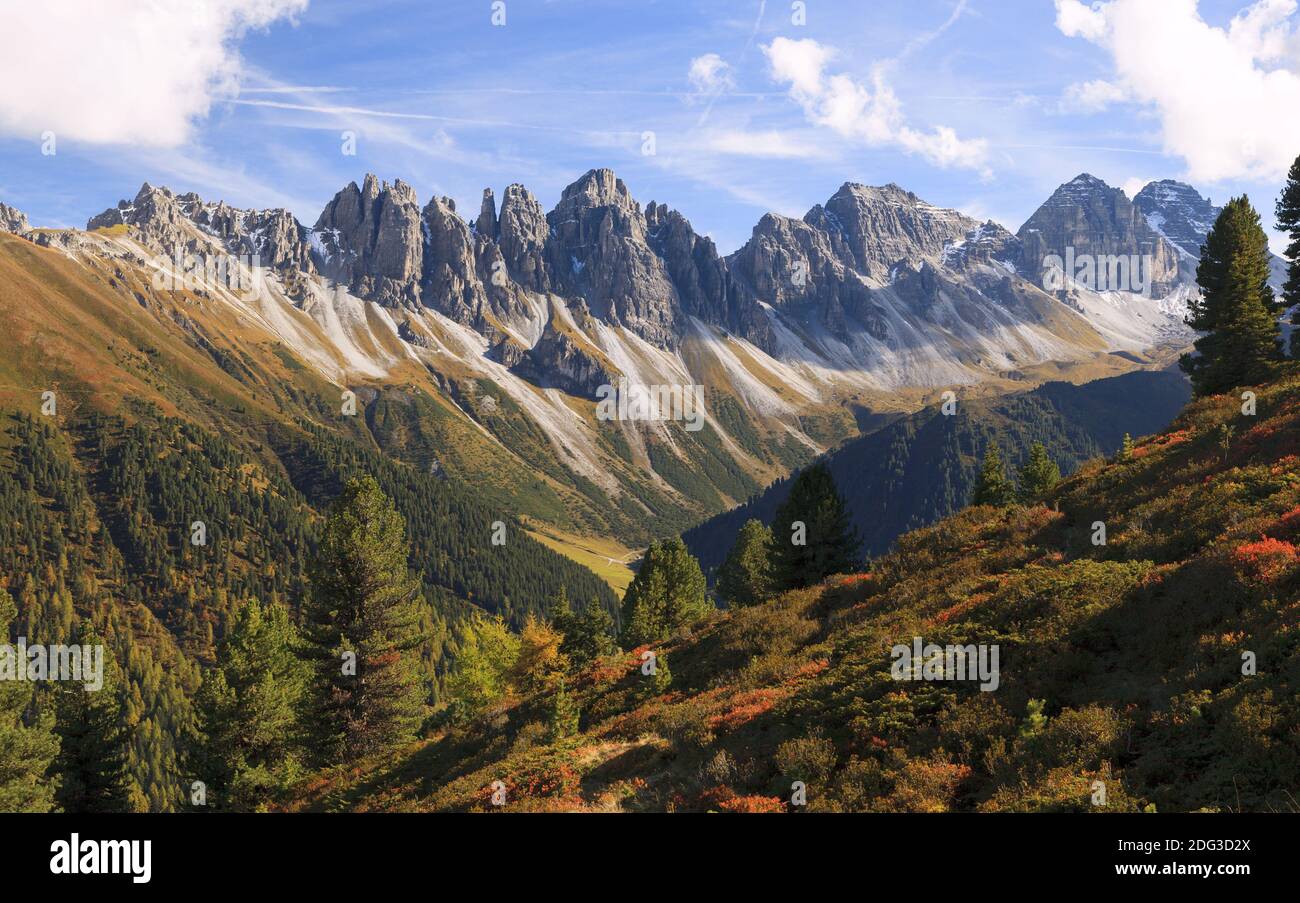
(13, 220)
(486, 225)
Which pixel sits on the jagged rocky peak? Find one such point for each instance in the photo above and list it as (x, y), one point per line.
(486, 225)
(598, 250)
(13, 220)
(1177, 211)
(881, 227)
(522, 232)
(369, 238)
(697, 271)
(162, 220)
(1086, 216)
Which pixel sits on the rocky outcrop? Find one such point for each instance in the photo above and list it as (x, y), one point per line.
(1085, 216)
(1178, 212)
(486, 224)
(370, 239)
(13, 220)
(598, 251)
(692, 263)
(522, 232)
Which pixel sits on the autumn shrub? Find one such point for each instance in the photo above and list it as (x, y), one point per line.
(809, 759)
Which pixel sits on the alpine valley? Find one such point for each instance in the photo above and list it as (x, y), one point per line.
(180, 362)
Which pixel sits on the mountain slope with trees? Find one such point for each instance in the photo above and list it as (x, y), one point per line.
(924, 466)
(1147, 616)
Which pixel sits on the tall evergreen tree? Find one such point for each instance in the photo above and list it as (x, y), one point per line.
(28, 744)
(993, 487)
(1236, 310)
(588, 634)
(1039, 474)
(362, 629)
(745, 577)
(249, 705)
(667, 593)
(812, 535)
(1288, 220)
(94, 739)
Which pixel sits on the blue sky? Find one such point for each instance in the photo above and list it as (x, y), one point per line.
(983, 105)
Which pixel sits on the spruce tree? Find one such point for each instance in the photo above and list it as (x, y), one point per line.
(362, 629)
(745, 577)
(1236, 310)
(588, 634)
(1126, 448)
(812, 536)
(667, 593)
(1288, 220)
(94, 739)
(993, 487)
(28, 744)
(1039, 475)
(249, 707)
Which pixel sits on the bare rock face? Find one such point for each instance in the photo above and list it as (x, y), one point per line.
(522, 232)
(450, 283)
(692, 263)
(165, 222)
(1085, 216)
(598, 251)
(564, 361)
(486, 225)
(13, 220)
(876, 229)
(370, 239)
(1178, 212)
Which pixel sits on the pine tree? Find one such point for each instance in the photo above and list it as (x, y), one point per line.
(745, 577)
(1236, 310)
(565, 714)
(1288, 220)
(812, 536)
(1126, 448)
(94, 739)
(667, 593)
(362, 629)
(588, 634)
(249, 705)
(28, 744)
(540, 665)
(1039, 475)
(993, 487)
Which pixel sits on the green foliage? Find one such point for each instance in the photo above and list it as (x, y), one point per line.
(362, 626)
(250, 705)
(565, 714)
(93, 741)
(667, 594)
(1038, 476)
(588, 634)
(745, 577)
(812, 536)
(28, 744)
(478, 680)
(993, 486)
(1126, 450)
(1236, 309)
(1288, 221)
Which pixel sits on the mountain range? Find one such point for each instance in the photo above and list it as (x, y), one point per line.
(477, 345)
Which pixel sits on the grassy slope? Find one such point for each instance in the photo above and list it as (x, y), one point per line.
(1134, 647)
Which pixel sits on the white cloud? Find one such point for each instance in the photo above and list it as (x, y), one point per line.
(766, 144)
(1133, 185)
(1092, 97)
(123, 71)
(1225, 98)
(871, 114)
(710, 74)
